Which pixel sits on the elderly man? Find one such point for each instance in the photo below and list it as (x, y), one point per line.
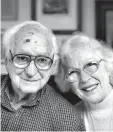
(88, 66)
(27, 102)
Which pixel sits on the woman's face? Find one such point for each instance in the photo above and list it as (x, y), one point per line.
(90, 74)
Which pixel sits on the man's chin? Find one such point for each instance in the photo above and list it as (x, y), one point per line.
(30, 87)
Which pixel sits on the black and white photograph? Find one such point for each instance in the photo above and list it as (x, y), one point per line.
(56, 65)
(55, 6)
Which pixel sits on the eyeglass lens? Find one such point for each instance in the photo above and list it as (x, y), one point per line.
(41, 62)
(90, 68)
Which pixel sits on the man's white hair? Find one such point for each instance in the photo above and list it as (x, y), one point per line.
(10, 33)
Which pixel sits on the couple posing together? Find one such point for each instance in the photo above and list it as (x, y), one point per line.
(81, 64)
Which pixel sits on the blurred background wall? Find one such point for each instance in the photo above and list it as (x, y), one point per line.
(81, 15)
(93, 17)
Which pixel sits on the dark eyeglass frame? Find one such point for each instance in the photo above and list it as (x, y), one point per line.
(67, 74)
(32, 58)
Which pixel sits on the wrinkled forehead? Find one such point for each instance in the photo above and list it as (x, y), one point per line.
(30, 34)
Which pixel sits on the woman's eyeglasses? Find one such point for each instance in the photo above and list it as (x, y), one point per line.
(90, 68)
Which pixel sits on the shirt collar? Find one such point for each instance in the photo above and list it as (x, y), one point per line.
(6, 84)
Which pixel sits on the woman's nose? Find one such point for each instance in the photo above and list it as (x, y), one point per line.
(84, 77)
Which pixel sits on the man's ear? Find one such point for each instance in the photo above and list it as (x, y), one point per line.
(62, 84)
(6, 64)
(6, 61)
(55, 66)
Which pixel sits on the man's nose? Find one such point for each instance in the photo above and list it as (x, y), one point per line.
(31, 70)
(84, 77)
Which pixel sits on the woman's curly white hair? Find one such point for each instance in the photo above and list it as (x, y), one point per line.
(80, 40)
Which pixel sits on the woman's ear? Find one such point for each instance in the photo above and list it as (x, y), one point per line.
(109, 66)
(111, 79)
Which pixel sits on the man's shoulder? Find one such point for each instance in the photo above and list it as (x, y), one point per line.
(3, 77)
(61, 110)
(59, 102)
(55, 97)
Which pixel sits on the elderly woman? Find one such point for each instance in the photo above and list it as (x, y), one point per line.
(87, 66)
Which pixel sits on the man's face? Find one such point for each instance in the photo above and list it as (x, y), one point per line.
(90, 73)
(30, 79)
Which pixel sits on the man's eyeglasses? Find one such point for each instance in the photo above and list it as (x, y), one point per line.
(90, 68)
(41, 62)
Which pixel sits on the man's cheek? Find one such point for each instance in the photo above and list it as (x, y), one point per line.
(19, 71)
(45, 74)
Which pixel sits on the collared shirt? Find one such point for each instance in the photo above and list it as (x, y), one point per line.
(47, 111)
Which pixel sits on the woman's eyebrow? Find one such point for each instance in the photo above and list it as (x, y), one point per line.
(90, 61)
(73, 69)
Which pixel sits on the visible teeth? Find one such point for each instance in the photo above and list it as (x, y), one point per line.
(91, 88)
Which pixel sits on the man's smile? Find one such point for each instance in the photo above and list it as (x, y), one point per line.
(28, 80)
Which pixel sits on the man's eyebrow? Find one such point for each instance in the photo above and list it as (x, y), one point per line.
(45, 54)
(38, 54)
